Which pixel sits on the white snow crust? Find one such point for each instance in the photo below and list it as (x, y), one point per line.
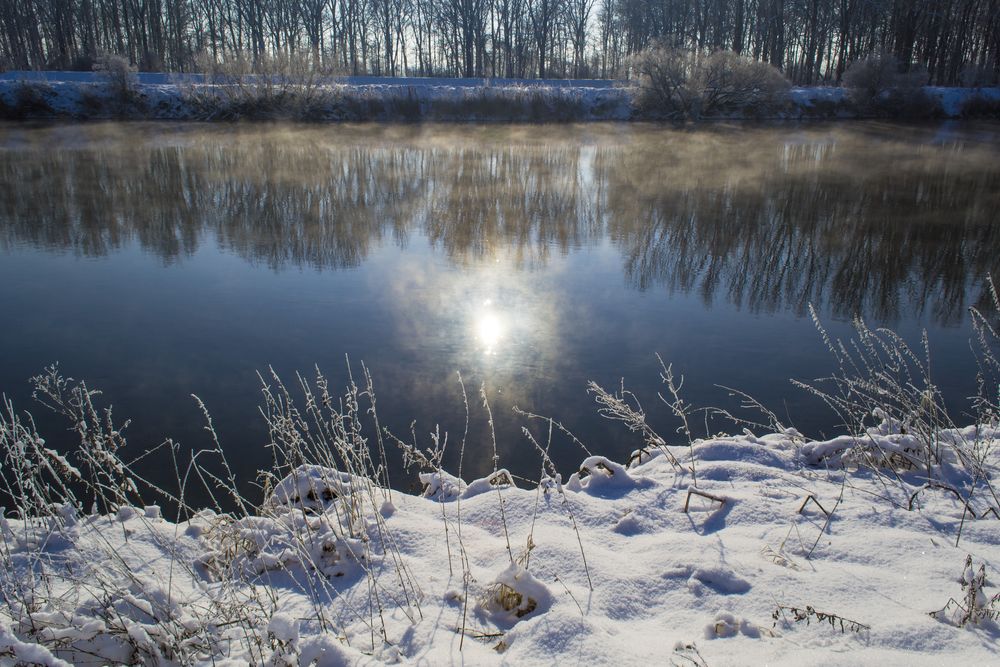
(605, 569)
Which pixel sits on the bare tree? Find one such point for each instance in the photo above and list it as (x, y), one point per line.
(810, 41)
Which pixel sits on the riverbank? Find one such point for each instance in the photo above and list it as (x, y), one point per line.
(86, 95)
(737, 550)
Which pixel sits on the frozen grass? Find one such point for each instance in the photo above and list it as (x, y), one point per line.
(761, 547)
(308, 99)
(290, 100)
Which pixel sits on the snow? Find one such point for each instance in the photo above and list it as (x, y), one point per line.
(284, 628)
(526, 595)
(26, 653)
(789, 553)
(808, 97)
(166, 96)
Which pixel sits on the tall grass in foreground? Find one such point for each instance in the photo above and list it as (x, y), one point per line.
(323, 527)
(882, 385)
(323, 460)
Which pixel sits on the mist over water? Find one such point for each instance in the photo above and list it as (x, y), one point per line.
(156, 261)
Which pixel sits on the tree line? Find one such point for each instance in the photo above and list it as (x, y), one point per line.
(957, 42)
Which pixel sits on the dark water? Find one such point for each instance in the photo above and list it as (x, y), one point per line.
(157, 261)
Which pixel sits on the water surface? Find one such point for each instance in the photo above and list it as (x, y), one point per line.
(159, 261)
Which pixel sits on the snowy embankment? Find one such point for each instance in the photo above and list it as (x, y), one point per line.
(87, 95)
(737, 550)
(193, 97)
(948, 102)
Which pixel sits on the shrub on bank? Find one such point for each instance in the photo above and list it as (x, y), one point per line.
(665, 77)
(732, 83)
(878, 86)
(121, 83)
(981, 106)
(28, 99)
(681, 85)
(278, 87)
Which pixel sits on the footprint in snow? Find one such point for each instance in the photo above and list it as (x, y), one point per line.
(721, 580)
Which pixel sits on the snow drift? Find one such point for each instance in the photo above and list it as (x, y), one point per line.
(798, 562)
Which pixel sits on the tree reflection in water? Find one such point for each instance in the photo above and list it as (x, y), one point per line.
(851, 216)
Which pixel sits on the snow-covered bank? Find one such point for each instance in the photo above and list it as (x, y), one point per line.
(193, 97)
(781, 557)
(85, 95)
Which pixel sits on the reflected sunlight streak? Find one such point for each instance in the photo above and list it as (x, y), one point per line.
(490, 328)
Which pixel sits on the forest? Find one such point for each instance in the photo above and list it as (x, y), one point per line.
(952, 42)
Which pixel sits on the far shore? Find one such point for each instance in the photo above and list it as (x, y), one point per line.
(34, 95)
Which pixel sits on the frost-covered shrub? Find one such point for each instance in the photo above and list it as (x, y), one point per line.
(505, 104)
(407, 107)
(665, 77)
(878, 86)
(280, 86)
(91, 103)
(869, 77)
(681, 84)
(29, 99)
(980, 106)
(729, 82)
(120, 78)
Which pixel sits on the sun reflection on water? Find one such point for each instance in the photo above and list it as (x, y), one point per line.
(490, 328)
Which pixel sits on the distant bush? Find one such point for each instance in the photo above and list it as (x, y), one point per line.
(285, 87)
(680, 84)
(121, 80)
(869, 77)
(665, 77)
(824, 109)
(29, 99)
(980, 106)
(730, 82)
(878, 86)
(407, 107)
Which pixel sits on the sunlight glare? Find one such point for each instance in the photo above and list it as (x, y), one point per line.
(489, 330)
